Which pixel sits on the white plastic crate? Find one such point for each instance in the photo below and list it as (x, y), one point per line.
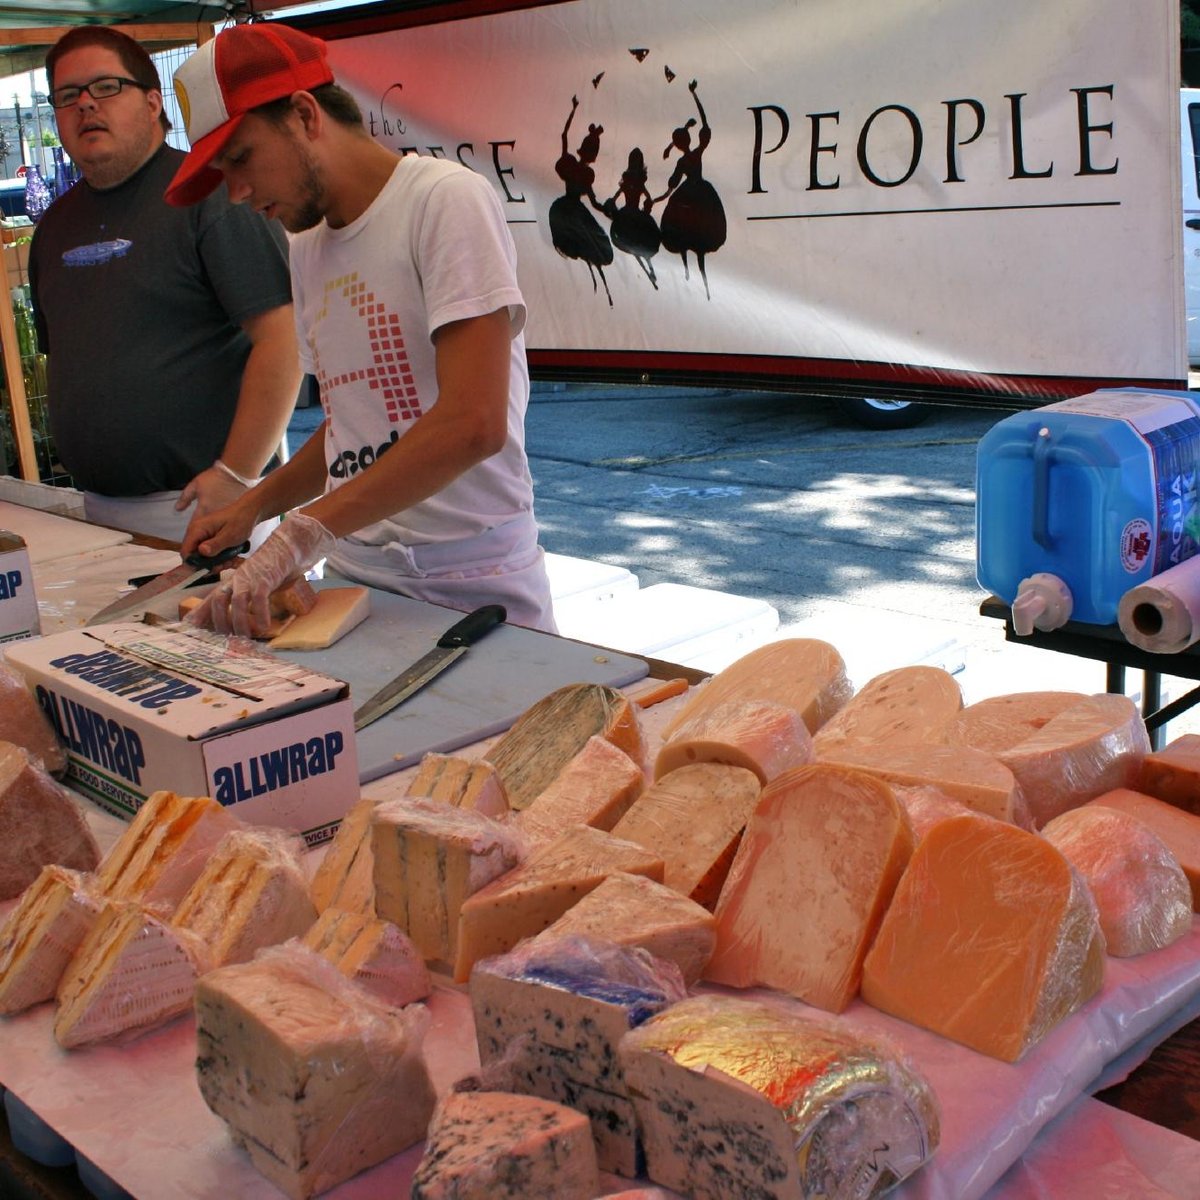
(577, 580)
(674, 622)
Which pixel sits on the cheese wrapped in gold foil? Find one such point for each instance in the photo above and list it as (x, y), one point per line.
(739, 1098)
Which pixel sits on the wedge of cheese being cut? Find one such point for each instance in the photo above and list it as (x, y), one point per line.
(546, 736)
(1179, 830)
(500, 1146)
(251, 894)
(132, 973)
(1173, 773)
(164, 850)
(373, 953)
(549, 1017)
(595, 788)
(760, 735)
(24, 724)
(693, 819)
(42, 934)
(991, 939)
(738, 1098)
(631, 910)
(535, 894)
(336, 612)
(1141, 893)
(978, 780)
(315, 1078)
(345, 877)
(909, 704)
(429, 860)
(1002, 722)
(39, 823)
(812, 878)
(803, 674)
(286, 604)
(464, 783)
(1092, 747)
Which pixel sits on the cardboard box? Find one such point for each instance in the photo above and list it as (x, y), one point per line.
(18, 602)
(142, 709)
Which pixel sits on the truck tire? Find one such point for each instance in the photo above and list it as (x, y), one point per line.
(875, 412)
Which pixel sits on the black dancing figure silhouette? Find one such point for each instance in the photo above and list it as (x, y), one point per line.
(573, 230)
(694, 218)
(634, 231)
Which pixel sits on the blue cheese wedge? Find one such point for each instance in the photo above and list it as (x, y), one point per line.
(550, 1015)
(315, 1078)
(499, 1146)
(740, 1098)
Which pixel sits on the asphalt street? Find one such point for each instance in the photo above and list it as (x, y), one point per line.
(865, 538)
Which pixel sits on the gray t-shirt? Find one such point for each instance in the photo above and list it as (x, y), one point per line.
(138, 306)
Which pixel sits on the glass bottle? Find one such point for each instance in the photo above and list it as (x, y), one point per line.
(62, 177)
(37, 194)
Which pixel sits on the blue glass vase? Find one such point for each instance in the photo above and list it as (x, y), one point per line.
(37, 194)
(62, 174)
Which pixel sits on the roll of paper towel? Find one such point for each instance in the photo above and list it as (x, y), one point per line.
(1162, 615)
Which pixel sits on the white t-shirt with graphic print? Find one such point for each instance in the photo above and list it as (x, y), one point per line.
(433, 247)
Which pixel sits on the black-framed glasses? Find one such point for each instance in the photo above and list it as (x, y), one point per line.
(99, 89)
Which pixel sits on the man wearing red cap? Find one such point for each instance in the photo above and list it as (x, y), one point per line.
(171, 343)
(409, 317)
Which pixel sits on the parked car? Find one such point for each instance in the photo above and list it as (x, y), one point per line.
(12, 197)
(1189, 145)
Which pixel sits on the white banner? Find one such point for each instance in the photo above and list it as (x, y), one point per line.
(981, 196)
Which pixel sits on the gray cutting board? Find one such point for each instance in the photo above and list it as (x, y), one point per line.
(478, 696)
(49, 536)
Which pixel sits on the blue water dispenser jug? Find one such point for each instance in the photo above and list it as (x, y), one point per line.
(1079, 501)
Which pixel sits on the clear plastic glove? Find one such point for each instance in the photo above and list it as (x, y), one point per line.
(242, 606)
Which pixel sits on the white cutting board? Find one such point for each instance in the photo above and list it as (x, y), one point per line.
(478, 696)
(48, 536)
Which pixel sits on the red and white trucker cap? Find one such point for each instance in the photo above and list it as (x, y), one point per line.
(239, 69)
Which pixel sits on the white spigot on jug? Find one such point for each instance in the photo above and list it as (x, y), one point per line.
(1043, 602)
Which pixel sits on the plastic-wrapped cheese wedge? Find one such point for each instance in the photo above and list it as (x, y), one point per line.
(1173, 773)
(693, 819)
(252, 894)
(535, 894)
(42, 933)
(760, 735)
(429, 859)
(816, 869)
(547, 735)
(315, 1078)
(461, 782)
(501, 1146)
(132, 973)
(25, 725)
(39, 823)
(978, 780)
(632, 910)
(991, 938)
(926, 806)
(740, 1098)
(1002, 722)
(909, 704)
(373, 953)
(595, 788)
(1141, 893)
(800, 673)
(1089, 748)
(548, 1018)
(1179, 830)
(345, 877)
(164, 849)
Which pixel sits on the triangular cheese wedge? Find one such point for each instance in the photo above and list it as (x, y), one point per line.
(535, 894)
(372, 953)
(132, 973)
(164, 849)
(464, 783)
(345, 877)
(251, 894)
(336, 612)
(42, 934)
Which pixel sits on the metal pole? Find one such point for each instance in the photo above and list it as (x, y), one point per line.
(37, 117)
(20, 128)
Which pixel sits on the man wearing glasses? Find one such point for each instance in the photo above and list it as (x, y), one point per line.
(173, 366)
